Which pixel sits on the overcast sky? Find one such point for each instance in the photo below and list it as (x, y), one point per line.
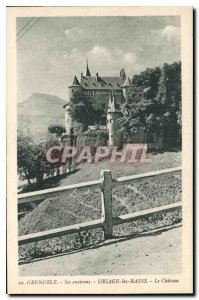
(55, 49)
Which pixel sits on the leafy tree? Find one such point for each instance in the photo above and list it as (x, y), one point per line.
(82, 111)
(28, 163)
(57, 129)
(169, 101)
(154, 104)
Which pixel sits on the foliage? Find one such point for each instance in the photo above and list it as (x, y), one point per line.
(154, 104)
(31, 158)
(93, 138)
(28, 163)
(57, 129)
(81, 110)
(66, 139)
(78, 128)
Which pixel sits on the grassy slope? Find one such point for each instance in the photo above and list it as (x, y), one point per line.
(92, 171)
(78, 207)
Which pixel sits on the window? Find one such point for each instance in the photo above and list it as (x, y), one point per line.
(90, 93)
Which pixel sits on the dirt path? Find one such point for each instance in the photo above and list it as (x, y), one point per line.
(156, 253)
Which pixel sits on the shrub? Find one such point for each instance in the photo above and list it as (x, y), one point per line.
(93, 138)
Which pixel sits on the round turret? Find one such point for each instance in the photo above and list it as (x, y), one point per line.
(113, 114)
(75, 87)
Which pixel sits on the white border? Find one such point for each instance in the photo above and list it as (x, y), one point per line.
(3, 4)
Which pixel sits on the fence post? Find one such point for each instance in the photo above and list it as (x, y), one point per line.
(106, 194)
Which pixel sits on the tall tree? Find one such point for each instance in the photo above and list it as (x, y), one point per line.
(81, 108)
(154, 104)
(82, 111)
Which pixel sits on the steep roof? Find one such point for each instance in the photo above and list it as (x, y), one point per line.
(75, 81)
(127, 82)
(87, 73)
(101, 83)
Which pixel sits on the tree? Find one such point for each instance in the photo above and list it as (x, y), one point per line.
(57, 129)
(169, 101)
(154, 105)
(81, 108)
(56, 154)
(82, 111)
(28, 163)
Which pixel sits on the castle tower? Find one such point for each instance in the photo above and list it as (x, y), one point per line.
(125, 87)
(112, 121)
(74, 88)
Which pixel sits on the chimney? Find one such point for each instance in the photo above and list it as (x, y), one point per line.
(97, 76)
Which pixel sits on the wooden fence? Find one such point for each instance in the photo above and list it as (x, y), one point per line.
(107, 221)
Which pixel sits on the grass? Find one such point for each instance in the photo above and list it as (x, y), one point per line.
(89, 171)
(81, 207)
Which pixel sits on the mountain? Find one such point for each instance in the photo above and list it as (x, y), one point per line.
(37, 112)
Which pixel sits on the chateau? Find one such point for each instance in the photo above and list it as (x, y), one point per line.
(106, 93)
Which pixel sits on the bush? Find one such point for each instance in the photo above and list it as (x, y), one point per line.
(79, 128)
(93, 138)
(56, 129)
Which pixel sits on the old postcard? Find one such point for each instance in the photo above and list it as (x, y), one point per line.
(99, 150)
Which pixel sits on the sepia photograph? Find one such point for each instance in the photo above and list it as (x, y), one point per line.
(100, 134)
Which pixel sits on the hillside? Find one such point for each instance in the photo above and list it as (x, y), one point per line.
(80, 207)
(38, 111)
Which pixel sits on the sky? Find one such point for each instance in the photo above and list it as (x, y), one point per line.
(55, 49)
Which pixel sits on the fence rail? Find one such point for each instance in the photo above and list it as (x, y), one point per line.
(107, 220)
(44, 194)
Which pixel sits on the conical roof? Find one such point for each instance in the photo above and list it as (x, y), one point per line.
(127, 82)
(75, 81)
(87, 73)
